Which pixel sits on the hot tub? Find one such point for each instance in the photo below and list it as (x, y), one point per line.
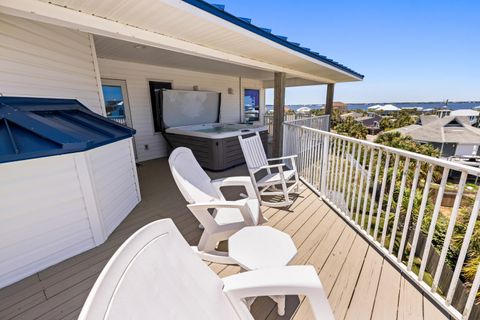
(215, 145)
(192, 119)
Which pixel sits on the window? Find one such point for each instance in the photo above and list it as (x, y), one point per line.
(116, 101)
(155, 87)
(251, 104)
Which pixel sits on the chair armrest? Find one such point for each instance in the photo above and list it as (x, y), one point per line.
(236, 181)
(199, 208)
(289, 280)
(219, 204)
(283, 158)
(271, 166)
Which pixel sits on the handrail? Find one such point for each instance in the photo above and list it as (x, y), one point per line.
(296, 118)
(383, 192)
(417, 156)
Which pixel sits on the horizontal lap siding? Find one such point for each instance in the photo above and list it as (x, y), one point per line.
(137, 77)
(41, 60)
(114, 178)
(43, 216)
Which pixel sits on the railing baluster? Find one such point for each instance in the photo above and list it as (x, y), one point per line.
(337, 165)
(362, 177)
(357, 169)
(461, 258)
(331, 176)
(340, 175)
(390, 197)
(472, 295)
(315, 160)
(421, 213)
(382, 192)
(399, 205)
(302, 150)
(308, 162)
(350, 175)
(325, 162)
(451, 226)
(433, 224)
(367, 187)
(411, 200)
(345, 174)
(374, 191)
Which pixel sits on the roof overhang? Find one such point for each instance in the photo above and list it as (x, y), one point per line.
(190, 27)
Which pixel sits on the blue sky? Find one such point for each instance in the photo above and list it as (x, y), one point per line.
(408, 50)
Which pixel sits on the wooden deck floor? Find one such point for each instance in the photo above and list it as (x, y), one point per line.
(360, 284)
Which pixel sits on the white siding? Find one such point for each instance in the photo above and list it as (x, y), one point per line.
(115, 182)
(43, 216)
(41, 60)
(137, 77)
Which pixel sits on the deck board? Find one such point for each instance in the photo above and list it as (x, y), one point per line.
(359, 283)
(363, 298)
(386, 299)
(410, 302)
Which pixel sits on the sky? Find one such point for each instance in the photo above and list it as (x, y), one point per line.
(409, 51)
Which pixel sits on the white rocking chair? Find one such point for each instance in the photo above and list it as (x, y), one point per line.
(203, 194)
(155, 275)
(257, 161)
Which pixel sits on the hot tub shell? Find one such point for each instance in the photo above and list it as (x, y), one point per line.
(214, 152)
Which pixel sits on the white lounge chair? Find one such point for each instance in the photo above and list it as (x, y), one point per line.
(257, 160)
(155, 275)
(203, 194)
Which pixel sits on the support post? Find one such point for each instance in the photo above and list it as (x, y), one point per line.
(278, 112)
(329, 102)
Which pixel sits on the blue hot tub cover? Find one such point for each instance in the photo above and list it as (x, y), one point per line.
(40, 127)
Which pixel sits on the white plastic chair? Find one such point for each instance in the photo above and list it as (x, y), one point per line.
(155, 275)
(257, 160)
(203, 194)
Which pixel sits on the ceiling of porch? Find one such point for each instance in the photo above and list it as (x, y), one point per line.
(110, 48)
(127, 51)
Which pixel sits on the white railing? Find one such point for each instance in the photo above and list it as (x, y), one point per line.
(317, 122)
(397, 200)
(268, 119)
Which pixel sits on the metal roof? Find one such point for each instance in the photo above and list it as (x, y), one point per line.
(246, 23)
(40, 127)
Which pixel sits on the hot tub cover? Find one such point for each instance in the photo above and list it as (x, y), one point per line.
(40, 127)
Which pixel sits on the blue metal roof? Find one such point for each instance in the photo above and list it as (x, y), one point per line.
(246, 23)
(40, 127)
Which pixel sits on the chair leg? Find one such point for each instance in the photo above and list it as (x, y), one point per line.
(207, 242)
(206, 250)
(285, 191)
(280, 300)
(297, 182)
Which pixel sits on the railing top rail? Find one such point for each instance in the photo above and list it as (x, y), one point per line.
(412, 155)
(306, 118)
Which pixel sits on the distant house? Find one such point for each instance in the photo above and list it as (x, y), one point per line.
(443, 112)
(371, 121)
(340, 106)
(472, 115)
(353, 114)
(452, 135)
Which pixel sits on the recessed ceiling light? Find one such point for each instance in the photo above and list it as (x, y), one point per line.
(139, 46)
